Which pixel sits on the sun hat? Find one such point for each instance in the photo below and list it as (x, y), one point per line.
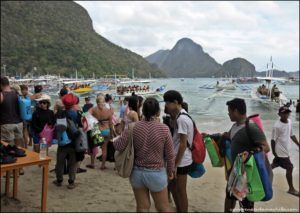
(44, 97)
(70, 100)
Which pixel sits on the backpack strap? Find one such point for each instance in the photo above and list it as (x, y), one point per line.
(182, 113)
(247, 128)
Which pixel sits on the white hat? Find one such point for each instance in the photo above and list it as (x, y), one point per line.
(44, 97)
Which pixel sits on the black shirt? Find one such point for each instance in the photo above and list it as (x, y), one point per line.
(40, 117)
(9, 108)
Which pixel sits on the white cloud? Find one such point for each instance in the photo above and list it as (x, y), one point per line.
(253, 30)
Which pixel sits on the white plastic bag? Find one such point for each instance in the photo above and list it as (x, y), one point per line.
(88, 121)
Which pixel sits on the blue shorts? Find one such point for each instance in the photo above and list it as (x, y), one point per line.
(153, 179)
(36, 138)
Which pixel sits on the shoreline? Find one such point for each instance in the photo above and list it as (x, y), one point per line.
(105, 191)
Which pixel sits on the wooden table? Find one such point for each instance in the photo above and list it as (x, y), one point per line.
(31, 159)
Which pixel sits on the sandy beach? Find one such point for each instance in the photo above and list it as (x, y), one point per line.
(105, 191)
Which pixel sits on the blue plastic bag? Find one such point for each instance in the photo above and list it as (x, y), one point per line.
(264, 174)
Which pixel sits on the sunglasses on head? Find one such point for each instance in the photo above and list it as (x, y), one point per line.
(43, 102)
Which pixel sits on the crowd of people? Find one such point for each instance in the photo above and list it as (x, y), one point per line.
(162, 153)
(274, 93)
(134, 88)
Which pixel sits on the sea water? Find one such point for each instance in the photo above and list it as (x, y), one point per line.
(209, 110)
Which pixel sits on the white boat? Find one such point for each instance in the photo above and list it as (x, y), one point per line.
(229, 85)
(272, 97)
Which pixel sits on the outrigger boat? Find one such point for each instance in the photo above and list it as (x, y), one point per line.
(138, 87)
(265, 94)
(79, 86)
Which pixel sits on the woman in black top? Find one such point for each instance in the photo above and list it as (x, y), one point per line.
(41, 116)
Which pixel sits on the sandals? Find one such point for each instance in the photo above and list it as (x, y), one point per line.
(90, 166)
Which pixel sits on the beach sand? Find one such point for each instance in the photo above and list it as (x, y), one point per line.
(105, 191)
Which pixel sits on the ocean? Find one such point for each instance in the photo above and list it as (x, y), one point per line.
(210, 110)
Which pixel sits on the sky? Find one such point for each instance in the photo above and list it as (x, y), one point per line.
(253, 30)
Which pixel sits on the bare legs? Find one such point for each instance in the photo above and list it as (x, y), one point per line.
(142, 197)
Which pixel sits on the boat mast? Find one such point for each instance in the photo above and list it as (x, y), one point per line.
(132, 73)
(270, 75)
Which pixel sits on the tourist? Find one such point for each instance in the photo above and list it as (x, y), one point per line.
(40, 117)
(88, 104)
(10, 121)
(151, 152)
(182, 139)
(104, 116)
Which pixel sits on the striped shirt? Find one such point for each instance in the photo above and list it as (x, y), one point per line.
(152, 143)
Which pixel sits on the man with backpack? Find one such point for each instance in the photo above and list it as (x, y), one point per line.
(242, 139)
(73, 117)
(182, 139)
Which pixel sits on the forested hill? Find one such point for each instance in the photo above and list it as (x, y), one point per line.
(58, 38)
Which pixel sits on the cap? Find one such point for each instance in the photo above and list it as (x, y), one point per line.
(284, 109)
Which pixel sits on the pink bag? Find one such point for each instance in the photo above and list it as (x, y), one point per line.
(47, 133)
(256, 119)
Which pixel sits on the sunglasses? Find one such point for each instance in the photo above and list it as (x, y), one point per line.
(43, 102)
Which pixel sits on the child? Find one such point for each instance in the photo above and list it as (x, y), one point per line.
(281, 134)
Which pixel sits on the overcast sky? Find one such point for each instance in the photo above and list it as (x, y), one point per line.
(225, 30)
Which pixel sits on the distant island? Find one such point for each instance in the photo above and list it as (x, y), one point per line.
(188, 59)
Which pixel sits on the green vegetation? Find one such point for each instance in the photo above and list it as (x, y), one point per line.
(58, 38)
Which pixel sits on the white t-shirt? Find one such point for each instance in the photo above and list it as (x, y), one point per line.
(281, 134)
(184, 126)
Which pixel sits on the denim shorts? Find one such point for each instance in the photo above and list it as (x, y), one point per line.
(153, 179)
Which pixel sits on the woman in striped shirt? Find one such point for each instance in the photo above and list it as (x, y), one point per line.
(153, 147)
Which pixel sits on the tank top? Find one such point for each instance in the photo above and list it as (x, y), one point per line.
(9, 108)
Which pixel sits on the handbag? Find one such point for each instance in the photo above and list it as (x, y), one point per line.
(255, 186)
(88, 121)
(237, 182)
(124, 160)
(264, 168)
(215, 159)
(47, 133)
(264, 172)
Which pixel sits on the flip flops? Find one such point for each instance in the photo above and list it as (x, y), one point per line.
(296, 193)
